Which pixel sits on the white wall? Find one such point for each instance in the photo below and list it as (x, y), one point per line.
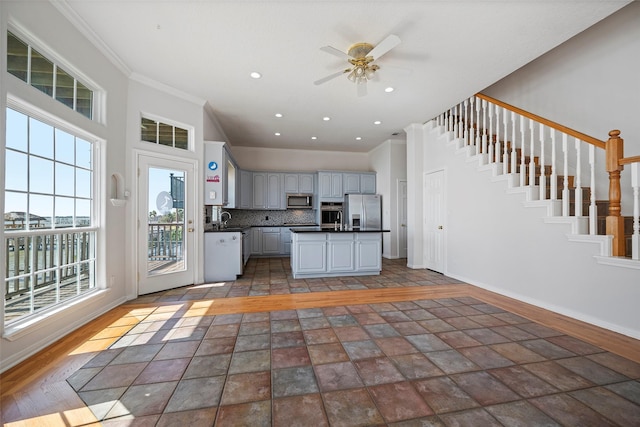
(493, 241)
(590, 83)
(54, 34)
(273, 159)
(151, 98)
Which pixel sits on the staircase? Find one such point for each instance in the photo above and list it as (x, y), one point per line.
(547, 161)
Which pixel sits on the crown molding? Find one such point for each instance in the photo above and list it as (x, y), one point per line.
(68, 12)
(147, 81)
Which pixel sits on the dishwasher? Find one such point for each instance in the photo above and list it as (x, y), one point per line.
(223, 257)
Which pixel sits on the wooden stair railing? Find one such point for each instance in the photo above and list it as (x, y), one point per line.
(506, 134)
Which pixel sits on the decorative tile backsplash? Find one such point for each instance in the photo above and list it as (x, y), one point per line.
(241, 217)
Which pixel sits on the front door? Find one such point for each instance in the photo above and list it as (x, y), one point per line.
(166, 211)
(434, 220)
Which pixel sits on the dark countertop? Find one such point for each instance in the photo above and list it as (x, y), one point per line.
(241, 228)
(333, 230)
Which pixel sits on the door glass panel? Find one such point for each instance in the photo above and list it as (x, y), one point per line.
(166, 224)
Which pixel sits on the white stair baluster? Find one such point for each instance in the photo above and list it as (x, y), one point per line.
(478, 139)
(472, 132)
(532, 162)
(505, 155)
(489, 138)
(543, 174)
(593, 209)
(565, 184)
(554, 171)
(465, 118)
(523, 168)
(513, 142)
(635, 184)
(484, 127)
(577, 197)
(455, 121)
(498, 148)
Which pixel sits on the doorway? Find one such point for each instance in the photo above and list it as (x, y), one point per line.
(402, 218)
(166, 209)
(434, 210)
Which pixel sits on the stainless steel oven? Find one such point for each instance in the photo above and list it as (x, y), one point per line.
(330, 214)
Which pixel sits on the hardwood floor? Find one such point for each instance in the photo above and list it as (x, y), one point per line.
(36, 393)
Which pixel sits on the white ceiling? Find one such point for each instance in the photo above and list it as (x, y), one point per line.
(207, 49)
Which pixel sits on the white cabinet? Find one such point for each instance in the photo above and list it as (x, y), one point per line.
(267, 190)
(246, 190)
(351, 183)
(271, 241)
(214, 173)
(368, 183)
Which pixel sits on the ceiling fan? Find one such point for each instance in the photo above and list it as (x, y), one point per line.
(361, 57)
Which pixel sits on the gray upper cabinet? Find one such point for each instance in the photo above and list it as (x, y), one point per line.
(351, 183)
(332, 186)
(298, 183)
(368, 183)
(305, 183)
(246, 189)
(267, 190)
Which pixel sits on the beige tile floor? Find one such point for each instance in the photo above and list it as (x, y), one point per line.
(429, 362)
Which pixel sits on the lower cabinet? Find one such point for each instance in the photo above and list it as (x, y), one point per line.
(256, 241)
(271, 241)
(336, 254)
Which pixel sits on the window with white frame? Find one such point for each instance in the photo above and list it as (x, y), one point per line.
(165, 134)
(49, 230)
(30, 66)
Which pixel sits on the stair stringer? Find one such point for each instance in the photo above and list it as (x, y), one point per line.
(578, 226)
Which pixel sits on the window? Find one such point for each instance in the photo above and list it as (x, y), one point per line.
(49, 234)
(163, 134)
(30, 66)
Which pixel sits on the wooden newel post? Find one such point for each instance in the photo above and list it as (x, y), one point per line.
(615, 222)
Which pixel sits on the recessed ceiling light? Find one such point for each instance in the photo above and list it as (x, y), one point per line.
(389, 89)
(314, 137)
(277, 134)
(255, 75)
(326, 118)
(377, 122)
(278, 115)
(358, 138)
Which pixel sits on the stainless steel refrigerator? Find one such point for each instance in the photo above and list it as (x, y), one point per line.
(362, 211)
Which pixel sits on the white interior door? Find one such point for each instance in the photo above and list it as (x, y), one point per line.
(434, 220)
(166, 211)
(402, 218)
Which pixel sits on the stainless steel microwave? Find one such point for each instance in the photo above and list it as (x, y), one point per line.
(299, 201)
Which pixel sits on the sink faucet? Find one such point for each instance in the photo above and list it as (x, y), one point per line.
(224, 222)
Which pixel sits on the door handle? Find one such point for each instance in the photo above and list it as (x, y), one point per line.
(439, 227)
(190, 230)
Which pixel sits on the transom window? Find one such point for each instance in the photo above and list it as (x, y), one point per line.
(163, 134)
(30, 66)
(49, 234)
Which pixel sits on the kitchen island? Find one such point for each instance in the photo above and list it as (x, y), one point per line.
(322, 252)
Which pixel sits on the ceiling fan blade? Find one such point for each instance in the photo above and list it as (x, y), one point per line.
(333, 51)
(330, 76)
(362, 89)
(384, 46)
